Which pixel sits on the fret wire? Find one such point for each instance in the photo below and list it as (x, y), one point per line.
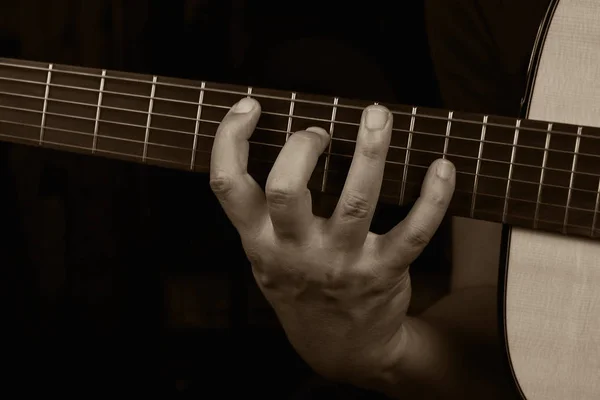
(185, 164)
(407, 154)
(447, 138)
(398, 130)
(99, 136)
(290, 118)
(278, 114)
(328, 155)
(45, 107)
(213, 90)
(249, 92)
(561, 133)
(72, 146)
(596, 210)
(149, 119)
(281, 131)
(482, 158)
(542, 176)
(273, 145)
(497, 178)
(197, 127)
(510, 169)
(168, 84)
(268, 161)
(573, 167)
(478, 167)
(341, 139)
(97, 122)
(511, 164)
(260, 160)
(175, 85)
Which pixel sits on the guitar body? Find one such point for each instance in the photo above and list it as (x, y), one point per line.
(551, 306)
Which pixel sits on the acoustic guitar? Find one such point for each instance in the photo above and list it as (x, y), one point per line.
(538, 175)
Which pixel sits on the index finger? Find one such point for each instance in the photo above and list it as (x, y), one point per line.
(240, 196)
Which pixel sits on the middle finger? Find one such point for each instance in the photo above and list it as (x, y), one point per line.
(288, 197)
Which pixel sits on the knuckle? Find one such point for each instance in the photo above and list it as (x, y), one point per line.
(257, 258)
(268, 278)
(279, 197)
(336, 279)
(372, 152)
(254, 256)
(221, 184)
(417, 236)
(437, 199)
(373, 149)
(355, 206)
(264, 279)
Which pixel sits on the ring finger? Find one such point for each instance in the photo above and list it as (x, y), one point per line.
(350, 222)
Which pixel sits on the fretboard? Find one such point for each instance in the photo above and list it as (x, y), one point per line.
(533, 174)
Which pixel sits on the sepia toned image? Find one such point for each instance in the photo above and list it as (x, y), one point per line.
(307, 200)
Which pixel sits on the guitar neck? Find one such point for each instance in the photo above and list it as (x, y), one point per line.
(532, 174)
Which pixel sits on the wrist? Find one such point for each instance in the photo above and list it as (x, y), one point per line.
(416, 362)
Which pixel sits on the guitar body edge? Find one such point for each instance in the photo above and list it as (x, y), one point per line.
(549, 287)
(551, 315)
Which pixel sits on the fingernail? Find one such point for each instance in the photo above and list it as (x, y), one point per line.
(243, 106)
(445, 169)
(318, 130)
(376, 117)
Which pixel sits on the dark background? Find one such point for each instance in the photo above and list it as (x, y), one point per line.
(121, 276)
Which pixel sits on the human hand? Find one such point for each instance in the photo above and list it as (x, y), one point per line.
(340, 292)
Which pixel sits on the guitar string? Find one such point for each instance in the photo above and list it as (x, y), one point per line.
(466, 157)
(298, 117)
(536, 182)
(244, 94)
(139, 142)
(296, 100)
(388, 162)
(287, 116)
(258, 95)
(185, 165)
(287, 100)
